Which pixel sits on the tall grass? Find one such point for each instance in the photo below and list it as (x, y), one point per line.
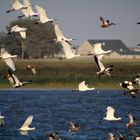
(54, 73)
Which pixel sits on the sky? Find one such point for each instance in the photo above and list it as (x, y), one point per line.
(79, 19)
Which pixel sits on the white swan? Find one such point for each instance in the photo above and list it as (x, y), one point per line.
(1, 120)
(59, 34)
(16, 5)
(84, 87)
(110, 114)
(69, 53)
(28, 12)
(14, 81)
(20, 30)
(7, 58)
(42, 15)
(25, 127)
(98, 55)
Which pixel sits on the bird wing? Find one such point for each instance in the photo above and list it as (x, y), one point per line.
(10, 63)
(42, 13)
(28, 121)
(58, 32)
(23, 34)
(130, 87)
(14, 28)
(17, 5)
(102, 20)
(81, 85)
(25, 12)
(67, 49)
(16, 79)
(110, 112)
(99, 63)
(98, 49)
(130, 118)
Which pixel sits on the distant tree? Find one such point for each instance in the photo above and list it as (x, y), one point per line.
(38, 42)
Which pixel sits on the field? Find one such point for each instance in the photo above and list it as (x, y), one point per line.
(62, 74)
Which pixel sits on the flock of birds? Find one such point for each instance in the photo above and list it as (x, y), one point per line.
(98, 53)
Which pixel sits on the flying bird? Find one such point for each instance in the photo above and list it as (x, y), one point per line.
(110, 114)
(84, 87)
(105, 23)
(59, 35)
(25, 127)
(28, 12)
(1, 120)
(42, 15)
(15, 6)
(69, 53)
(98, 55)
(74, 127)
(132, 120)
(7, 57)
(32, 68)
(20, 30)
(14, 81)
(128, 85)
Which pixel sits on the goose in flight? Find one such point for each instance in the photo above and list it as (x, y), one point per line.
(1, 120)
(7, 57)
(105, 23)
(69, 53)
(14, 81)
(28, 12)
(110, 114)
(74, 127)
(20, 30)
(98, 55)
(42, 15)
(59, 35)
(128, 85)
(31, 68)
(15, 6)
(84, 87)
(132, 120)
(25, 127)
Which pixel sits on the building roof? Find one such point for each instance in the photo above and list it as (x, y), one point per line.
(115, 45)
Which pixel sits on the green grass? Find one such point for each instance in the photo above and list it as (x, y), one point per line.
(54, 73)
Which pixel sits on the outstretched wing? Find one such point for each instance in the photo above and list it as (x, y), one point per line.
(17, 5)
(98, 49)
(102, 20)
(58, 32)
(98, 62)
(110, 112)
(10, 63)
(23, 34)
(28, 121)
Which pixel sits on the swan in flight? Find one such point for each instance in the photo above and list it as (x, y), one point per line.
(69, 53)
(14, 81)
(110, 114)
(105, 23)
(1, 120)
(59, 35)
(15, 6)
(128, 85)
(31, 68)
(28, 12)
(7, 57)
(83, 87)
(20, 30)
(25, 127)
(98, 55)
(42, 15)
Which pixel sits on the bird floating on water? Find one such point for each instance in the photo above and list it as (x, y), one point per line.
(14, 81)
(7, 57)
(28, 12)
(105, 23)
(110, 114)
(53, 136)
(84, 87)
(15, 6)
(42, 15)
(1, 120)
(74, 127)
(17, 29)
(25, 127)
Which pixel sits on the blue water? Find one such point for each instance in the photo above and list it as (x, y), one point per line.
(52, 110)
